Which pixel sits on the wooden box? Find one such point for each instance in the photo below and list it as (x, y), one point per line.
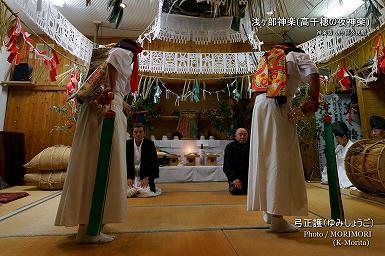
(173, 161)
(212, 159)
(190, 159)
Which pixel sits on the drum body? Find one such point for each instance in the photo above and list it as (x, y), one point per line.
(365, 165)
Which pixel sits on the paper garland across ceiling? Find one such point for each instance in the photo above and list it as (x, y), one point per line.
(198, 63)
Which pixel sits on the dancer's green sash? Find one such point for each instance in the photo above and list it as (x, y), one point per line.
(337, 211)
(101, 179)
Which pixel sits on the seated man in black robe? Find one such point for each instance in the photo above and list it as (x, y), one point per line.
(236, 162)
(142, 165)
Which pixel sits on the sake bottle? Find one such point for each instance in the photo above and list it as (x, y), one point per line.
(202, 155)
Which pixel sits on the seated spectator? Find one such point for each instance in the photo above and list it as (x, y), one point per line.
(377, 126)
(142, 165)
(236, 162)
(341, 133)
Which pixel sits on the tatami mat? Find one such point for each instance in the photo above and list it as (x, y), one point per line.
(212, 243)
(139, 219)
(39, 219)
(221, 243)
(192, 219)
(170, 211)
(193, 186)
(354, 207)
(182, 198)
(258, 242)
(34, 196)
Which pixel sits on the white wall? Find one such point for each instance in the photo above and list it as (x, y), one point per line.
(4, 73)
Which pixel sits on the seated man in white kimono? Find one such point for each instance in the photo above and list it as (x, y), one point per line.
(142, 165)
(341, 133)
(377, 126)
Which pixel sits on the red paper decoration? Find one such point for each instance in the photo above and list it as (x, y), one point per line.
(14, 51)
(344, 77)
(380, 54)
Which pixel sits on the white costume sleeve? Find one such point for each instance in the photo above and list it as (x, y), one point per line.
(300, 65)
(121, 59)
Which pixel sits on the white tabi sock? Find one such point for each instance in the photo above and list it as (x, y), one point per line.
(280, 225)
(83, 238)
(266, 217)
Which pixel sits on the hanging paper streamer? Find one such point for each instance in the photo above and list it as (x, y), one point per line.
(148, 89)
(182, 125)
(146, 80)
(344, 78)
(71, 88)
(68, 74)
(242, 87)
(187, 92)
(143, 86)
(177, 100)
(236, 94)
(228, 89)
(379, 60)
(72, 85)
(193, 94)
(54, 61)
(204, 91)
(14, 56)
(194, 129)
(167, 94)
(184, 88)
(140, 84)
(249, 89)
(196, 91)
(16, 29)
(158, 92)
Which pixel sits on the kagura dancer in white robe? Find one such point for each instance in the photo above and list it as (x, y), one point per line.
(276, 182)
(75, 203)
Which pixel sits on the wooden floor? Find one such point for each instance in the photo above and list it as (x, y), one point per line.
(193, 219)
